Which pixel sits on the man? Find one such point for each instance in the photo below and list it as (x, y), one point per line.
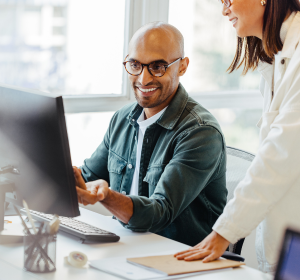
(161, 165)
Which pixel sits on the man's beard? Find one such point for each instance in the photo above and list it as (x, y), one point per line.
(144, 101)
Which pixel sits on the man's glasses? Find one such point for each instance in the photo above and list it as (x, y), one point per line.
(156, 69)
(227, 3)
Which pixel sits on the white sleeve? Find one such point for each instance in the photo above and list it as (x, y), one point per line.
(273, 171)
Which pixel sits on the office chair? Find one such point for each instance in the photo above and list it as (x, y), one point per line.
(238, 162)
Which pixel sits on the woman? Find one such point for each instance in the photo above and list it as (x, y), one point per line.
(269, 195)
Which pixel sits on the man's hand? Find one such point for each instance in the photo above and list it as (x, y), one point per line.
(95, 191)
(211, 248)
(118, 204)
(78, 178)
(92, 192)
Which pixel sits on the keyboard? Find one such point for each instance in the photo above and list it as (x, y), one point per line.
(77, 228)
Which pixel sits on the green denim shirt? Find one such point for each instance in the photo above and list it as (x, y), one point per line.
(182, 187)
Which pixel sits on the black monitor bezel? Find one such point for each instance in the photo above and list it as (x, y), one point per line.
(64, 142)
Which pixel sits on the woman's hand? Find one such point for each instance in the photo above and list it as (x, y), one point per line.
(210, 249)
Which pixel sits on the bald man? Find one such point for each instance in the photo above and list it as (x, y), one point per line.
(161, 165)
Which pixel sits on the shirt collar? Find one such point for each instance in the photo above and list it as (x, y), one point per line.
(175, 109)
(286, 26)
(292, 38)
(290, 34)
(266, 70)
(172, 114)
(144, 123)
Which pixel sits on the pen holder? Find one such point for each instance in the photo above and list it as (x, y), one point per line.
(39, 252)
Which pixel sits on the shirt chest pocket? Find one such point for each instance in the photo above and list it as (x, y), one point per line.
(153, 176)
(115, 167)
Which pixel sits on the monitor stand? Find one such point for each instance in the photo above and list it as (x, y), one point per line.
(9, 232)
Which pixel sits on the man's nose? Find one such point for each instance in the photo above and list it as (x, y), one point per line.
(145, 77)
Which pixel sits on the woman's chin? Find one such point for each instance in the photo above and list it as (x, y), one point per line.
(241, 34)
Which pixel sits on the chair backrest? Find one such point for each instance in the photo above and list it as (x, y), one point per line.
(238, 162)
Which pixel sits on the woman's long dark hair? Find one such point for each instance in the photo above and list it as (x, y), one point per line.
(251, 50)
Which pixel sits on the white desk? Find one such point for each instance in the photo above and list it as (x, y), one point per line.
(130, 244)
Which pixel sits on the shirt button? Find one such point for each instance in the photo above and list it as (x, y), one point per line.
(133, 120)
(123, 192)
(129, 166)
(282, 61)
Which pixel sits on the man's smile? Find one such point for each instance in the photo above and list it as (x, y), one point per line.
(147, 91)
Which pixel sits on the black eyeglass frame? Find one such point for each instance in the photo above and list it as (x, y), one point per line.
(166, 67)
(227, 3)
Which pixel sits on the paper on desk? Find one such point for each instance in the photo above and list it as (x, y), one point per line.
(121, 268)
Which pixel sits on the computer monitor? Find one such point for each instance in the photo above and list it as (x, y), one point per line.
(289, 261)
(34, 152)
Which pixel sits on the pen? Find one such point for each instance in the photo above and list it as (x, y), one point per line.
(29, 216)
(34, 252)
(23, 223)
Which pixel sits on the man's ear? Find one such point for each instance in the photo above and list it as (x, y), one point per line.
(184, 63)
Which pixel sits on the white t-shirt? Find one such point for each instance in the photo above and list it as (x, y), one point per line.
(143, 124)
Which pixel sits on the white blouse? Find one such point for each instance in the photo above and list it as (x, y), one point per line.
(269, 196)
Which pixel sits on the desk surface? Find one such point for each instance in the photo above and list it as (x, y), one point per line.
(130, 245)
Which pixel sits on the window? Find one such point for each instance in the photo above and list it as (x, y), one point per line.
(239, 127)
(210, 43)
(75, 48)
(86, 132)
(66, 47)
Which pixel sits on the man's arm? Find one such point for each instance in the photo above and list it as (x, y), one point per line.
(196, 161)
(92, 192)
(119, 205)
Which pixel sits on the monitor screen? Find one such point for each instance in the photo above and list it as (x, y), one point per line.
(34, 140)
(289, 264)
